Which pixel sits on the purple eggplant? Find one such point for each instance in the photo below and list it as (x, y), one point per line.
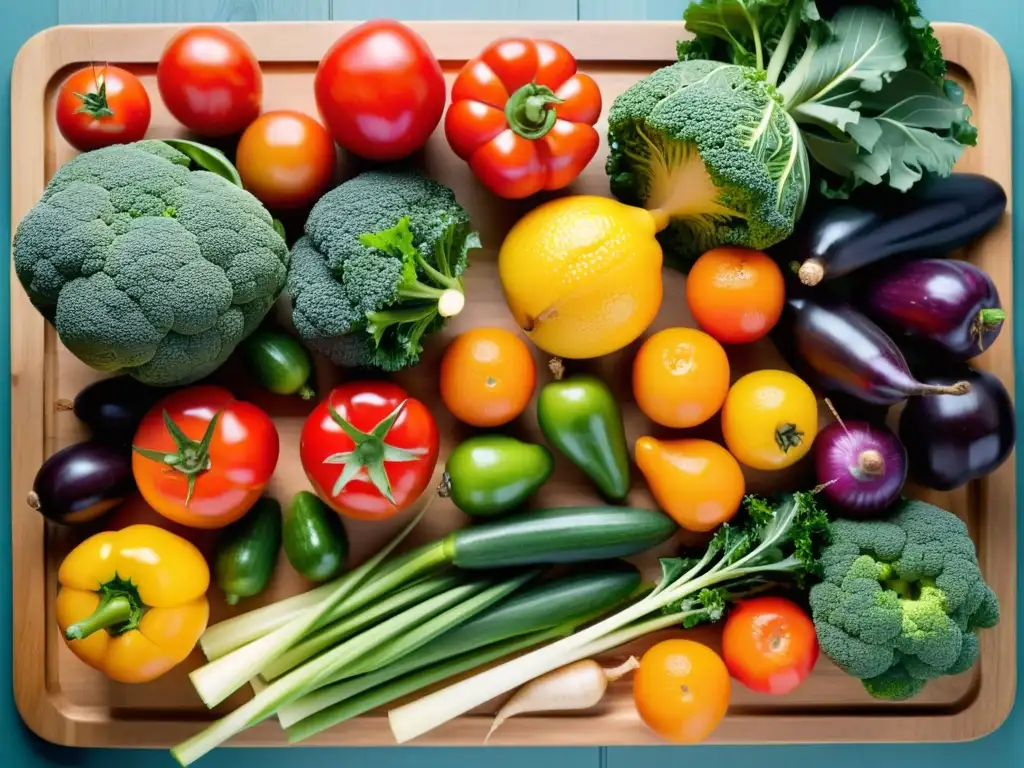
(950, 305)
(82, 482)
(939, 215)
(846, 352)
(113, 408)
(953, 440)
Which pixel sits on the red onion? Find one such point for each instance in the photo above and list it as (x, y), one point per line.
(861, 467)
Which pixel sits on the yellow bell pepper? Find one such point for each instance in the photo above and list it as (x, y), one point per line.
(133, 602)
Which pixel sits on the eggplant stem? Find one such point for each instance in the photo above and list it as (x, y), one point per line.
(811, 272)
(960, 388)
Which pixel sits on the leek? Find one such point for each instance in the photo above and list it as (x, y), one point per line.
(737, 559)
(456, 604)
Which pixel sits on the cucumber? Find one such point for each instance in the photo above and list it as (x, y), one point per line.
(566, 602)
(279, 363)
(562, 535)
(247, 551)
(314, 538)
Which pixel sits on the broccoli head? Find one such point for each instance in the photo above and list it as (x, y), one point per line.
(901, 599)
(146, 267)
(379, 268)
(709, 148)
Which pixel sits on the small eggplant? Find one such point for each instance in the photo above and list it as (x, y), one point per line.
(939, 215)
(950, 304)
(82, 482)
(846, 352)
(113, 408)
(953, 440)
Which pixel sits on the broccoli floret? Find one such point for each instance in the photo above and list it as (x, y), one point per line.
(709, 148)
(379, 268)
(901, 599)
(148, 268)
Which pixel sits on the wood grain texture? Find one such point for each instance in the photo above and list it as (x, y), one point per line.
(144, 11)
(652, 10)
(489, 10)
(64, 701)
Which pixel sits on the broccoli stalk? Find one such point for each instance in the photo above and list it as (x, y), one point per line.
(419, 302)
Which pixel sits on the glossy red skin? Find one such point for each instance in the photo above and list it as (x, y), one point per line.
(478, 131)
(364, 405)
(243, 456)
(769, 644)
(210, 81)
(380, 90)
(126, 98)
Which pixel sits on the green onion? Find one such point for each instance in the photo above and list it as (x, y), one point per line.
(350, 625)
(352, 706)
(457, 605)
(219, 679)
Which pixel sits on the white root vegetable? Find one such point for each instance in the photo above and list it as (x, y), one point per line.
(580, 685)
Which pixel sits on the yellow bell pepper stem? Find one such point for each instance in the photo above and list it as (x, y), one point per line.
(109, 614)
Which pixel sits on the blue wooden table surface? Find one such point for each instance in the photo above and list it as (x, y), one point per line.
(21, 18)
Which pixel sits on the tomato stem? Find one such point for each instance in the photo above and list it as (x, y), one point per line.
(191, 458)
(95, 104)
(529, 113)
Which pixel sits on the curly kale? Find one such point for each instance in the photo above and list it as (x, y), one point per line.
(146, 267)
(901, 599)
(379, 268)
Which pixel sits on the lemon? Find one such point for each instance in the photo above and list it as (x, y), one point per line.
(582, 275)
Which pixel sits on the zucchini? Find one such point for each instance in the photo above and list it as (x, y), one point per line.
(561, 535)
(279, 363)
(247, 551)
(564, 602)
(314, 538)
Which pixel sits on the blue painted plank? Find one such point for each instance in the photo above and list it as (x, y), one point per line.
(600, 10)
(545, 10)
(142, 11)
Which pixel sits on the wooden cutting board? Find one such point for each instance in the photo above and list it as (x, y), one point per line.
(64, 701)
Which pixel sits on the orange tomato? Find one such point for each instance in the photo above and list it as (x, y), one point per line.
(697, 482)
(769, 644)
(487, 377)
(680, 377)
(286, 159)
(681, 690)
(736, 294)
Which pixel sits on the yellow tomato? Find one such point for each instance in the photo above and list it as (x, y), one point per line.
(680, 377)
(681, 690)
(770, 419)
(697, 482)
(582, 275)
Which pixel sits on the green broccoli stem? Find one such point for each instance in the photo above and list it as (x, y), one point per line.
(529, 113)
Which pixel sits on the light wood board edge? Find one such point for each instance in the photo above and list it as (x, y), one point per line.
(43, 711)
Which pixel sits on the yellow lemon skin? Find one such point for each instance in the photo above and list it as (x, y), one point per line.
(582, 275)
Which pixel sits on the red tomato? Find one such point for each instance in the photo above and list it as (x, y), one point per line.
(736, 294)
(100, 106)
(769, 644)
(380, 90)
(523, 117)
(286, 159)
(197, 486)
(369, 449)
(210, 81)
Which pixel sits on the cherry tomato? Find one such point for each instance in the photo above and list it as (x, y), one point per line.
(523, 117)
(769, 644)
(770, 419)
(210, 81)
(680, 377)
(286, 159)
(736, 294)
(487, 377)
(102, 105)
(697, 482)
(369, 449)
(681, 690)
(204, 486)
(380, 90)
